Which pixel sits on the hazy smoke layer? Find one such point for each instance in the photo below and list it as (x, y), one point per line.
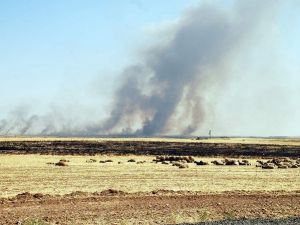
(154, 88)
(163, 92)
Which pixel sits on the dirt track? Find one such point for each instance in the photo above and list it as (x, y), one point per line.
(148, 148)
(161, 207)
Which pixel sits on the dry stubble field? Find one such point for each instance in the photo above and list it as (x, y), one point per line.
(31, 173)
(202, 193)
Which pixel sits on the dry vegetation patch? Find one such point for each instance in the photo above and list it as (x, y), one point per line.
(32, 173)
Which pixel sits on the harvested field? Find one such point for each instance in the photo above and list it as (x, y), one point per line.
(146, 182)
(36, 173)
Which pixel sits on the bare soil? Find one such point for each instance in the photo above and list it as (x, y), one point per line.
(160, 207)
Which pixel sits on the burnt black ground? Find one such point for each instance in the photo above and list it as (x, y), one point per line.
(289, 221)
(148, 148)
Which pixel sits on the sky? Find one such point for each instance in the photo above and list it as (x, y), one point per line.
(48, 47)
(64, 55)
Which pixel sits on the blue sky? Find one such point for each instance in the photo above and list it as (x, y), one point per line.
(67, 55)
(71, 53)
(46, 45)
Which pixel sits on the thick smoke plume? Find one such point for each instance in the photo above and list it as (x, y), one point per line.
(202, 41)
(163, 91)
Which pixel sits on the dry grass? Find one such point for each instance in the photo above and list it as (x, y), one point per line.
(34, 222)
(31, 173)
(248, 140)
(272, 141)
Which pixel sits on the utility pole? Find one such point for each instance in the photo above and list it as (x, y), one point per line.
(209, 133)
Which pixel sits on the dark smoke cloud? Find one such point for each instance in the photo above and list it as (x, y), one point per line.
(203, 38)
(169, 76)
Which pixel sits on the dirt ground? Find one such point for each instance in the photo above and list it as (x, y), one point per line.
(87, 192)
(161, 207)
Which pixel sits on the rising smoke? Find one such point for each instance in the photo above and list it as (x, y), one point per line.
(163, 92)
(154, 88)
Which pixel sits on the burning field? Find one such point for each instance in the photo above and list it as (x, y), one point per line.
(127, 182)
(222, 68)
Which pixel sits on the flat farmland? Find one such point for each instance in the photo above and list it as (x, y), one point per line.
(118, 181)
(33, 173)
